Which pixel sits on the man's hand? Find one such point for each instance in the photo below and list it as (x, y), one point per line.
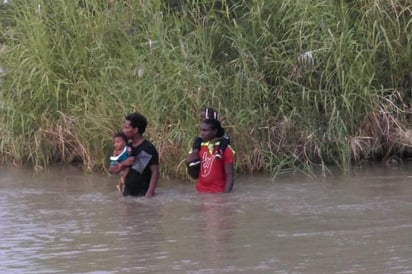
(153, 181)
(116, 168)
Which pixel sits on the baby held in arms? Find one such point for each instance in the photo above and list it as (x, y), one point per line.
(121, 152)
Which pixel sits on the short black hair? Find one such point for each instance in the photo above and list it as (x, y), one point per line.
(120, 135)
(137, 120)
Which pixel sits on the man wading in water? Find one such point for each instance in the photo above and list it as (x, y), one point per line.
(214, 174)
(144, 164)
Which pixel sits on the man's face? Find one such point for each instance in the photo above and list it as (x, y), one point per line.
(206, 132)
(128, 130)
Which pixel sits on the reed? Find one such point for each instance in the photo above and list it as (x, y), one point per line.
(300, 85)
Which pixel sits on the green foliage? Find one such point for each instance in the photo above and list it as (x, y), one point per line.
(298, 84)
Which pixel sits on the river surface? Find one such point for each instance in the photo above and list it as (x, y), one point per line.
(65, 221)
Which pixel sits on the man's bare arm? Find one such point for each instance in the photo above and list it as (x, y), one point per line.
(153, 181)
(117, 168)
(230, 179)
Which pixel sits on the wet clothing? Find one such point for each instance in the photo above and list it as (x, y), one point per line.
(212, 177)
(138, 180)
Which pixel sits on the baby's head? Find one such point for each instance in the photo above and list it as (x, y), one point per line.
(119, 140)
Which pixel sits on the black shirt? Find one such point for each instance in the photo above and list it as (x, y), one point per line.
(138, 179)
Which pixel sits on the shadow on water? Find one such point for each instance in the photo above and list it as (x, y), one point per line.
(64, 221)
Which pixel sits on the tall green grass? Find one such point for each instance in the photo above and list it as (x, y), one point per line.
(300, 85)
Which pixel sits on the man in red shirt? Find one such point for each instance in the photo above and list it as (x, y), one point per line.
(215, 174)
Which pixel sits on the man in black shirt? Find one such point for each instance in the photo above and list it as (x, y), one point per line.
(144, 162)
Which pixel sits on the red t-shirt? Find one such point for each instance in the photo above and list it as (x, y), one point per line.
(212, 177)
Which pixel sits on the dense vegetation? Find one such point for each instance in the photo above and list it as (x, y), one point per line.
(299, 84)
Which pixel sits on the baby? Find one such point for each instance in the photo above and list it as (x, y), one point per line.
(120, 153)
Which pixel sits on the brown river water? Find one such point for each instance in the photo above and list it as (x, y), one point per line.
(65, 221)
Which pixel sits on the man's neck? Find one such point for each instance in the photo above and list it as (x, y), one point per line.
(137, 140)
(212, 141)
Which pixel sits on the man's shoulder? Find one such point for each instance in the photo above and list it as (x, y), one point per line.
(148, 143)
(148, 146)
(229, 153)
